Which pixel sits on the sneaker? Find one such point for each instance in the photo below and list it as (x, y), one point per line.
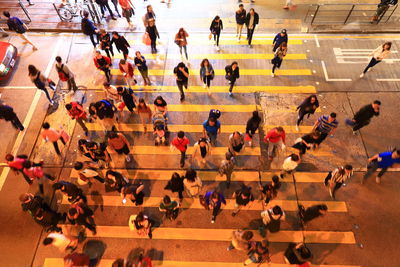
(354, 133)
(250, 143)
(297, 128)
(217, 48)
(272, 75)
(250, 46)
(113, 18)
(331, 193)
(362, 75)
(51, 103)
(378, 179)
(234, 214)
(230, 94)
(204, 85)
(369, 69)
(212, 221)
(128, 158)
(286, 7)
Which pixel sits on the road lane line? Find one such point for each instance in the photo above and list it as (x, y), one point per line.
(331, 80)
(316, 40)
(388, 80)
(221, 72)
(29, 115)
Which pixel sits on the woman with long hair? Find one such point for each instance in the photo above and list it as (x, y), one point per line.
(377, 56)
(206, 74)
(308, 106)
(280, 53)
(181, 41)
(144, 112)
(40, 81)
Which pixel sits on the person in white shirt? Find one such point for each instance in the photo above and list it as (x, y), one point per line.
(289, 165)
(272, 220)
(337, 178)
(377, 56)
(60, 241)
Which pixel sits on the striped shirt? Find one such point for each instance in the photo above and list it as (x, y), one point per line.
(324, 126)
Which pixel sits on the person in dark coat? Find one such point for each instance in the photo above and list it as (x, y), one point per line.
(232, 73)
(215, 29)
(73, 192)
(115, 180)
(252, 20)
(281, 37)
(181, 73)
(364, 115)
(280, 53)
(105, 43)
(32, 203)
(297, 254)
(240, 16)
(7, 113)
(176, 185)
(308, 106)
(251, 127)
(151, 29)
(121, 44)
(89, 29)
(306, 142)
(312, 212)
(103, 6)
(128, 97)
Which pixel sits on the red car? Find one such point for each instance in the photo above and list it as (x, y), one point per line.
(8, 56)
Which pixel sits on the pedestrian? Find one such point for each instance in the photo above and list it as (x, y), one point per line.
(151, 29)
(175, 184)
(271, 219)
(270, 191)
(275, 140)
(312, 212)
(192, 183)
(16, 25)
(297, 254)
(66, 75)
(214, 200)
(252, 20)
(240, 16)
(7, 113)
(127, 71)
(104, 111)
(77, 259)
(98, 153)
(211, 129)
(81, 214)
(133, 192)
(160, 105)
(380, 53)
(289, 165)
(149, 16)
(231, 74)
(143, 224)
(33, 204)
(144, 112)
(103, 63)
(252, 126)
(280, 53)
(336, 178)
(52, 135)
(280, 38)
(128, 97)
(206, 74)
(62, 242)
(288, 4)
(181, 41)
(140, 63)
(115, 180)
(181, 142)
(308, 141)
(364, 115)
(117, 142)
(121, 44)
(40, 81)
(87, 172)
(240, 240)
(78, 113)
(383, 6)
(215, 30)
(326, 125)
(181, 73)
(16, 164)
(201, 152)
(381, 161)
(171, 208)
(127, 11)
(308, 106)
(226, 167)
(243, 197)
(103, 6)
(236, 143)
(258, 253)
(115, 3)
(34, 171)
(73, 193)
(105, 43)
(89, 29)
(111, 93)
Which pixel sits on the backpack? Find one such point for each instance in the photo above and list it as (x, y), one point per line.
(39, 84)
(214, 113)
(62, 74)
(16, 26)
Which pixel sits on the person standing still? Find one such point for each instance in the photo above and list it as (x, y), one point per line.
(280, 38)
(280, 53)
(181, 143)
(140, 63)
(380, 53)
(65, 74)
(16, 25)
(240, 16)
(181, 41)
(181, 73)
(381, 161)
(40, 81)
(308, 106)
(211, 129)
(325, 125)
(232, 73)
(7, 113)
(52, 135)
(89, 29)
(215, 29)
(206, 74)
(252, 20)
(364, 115)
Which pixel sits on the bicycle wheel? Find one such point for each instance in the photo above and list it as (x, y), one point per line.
(65, 14)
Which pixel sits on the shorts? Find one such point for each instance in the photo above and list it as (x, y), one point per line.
(124, 150)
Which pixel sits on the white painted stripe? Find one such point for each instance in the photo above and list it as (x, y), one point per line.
(388, 80)
(17, 87)
(326, 75)
(29, 116)
(316, 40)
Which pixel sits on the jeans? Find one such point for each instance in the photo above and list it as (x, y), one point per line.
(107, 72)
(115, 3)
(153, 45)
(183, 157)
(104, 7)
(207, 80)
(182, 84)
(250, 35)
(232, 84)
(372, 167)
(216, 37)
(91, 36)
(72, 84)
(145, 76)
(321, 138)
(184, 48)
(301, 116)
(372, 63)
(359, 124)
(55, 144)
(212, 137)
(216, 210)
(109, 51)
(272, 148)
(47, 94)
(82, 124)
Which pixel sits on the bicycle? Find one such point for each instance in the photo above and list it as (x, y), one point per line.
(68, 11)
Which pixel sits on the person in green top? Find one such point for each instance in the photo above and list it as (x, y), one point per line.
(171, 208)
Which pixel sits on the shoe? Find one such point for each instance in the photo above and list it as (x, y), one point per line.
(182, 166)
(86, 133)
(362, 75)
(378, 180)
(35, 48)
(331, 193)
(297, 128)
(51, 103)
(230, 94)
(182, 98)
(369, 69)
(128, 158)
(204, 85)
(286, 7)
(250, 46)
(217, 48)
(272, 75)
(228, 249)
(113, 18)
(354, 133)
(281, 175)
(250, 143)
(234, 214)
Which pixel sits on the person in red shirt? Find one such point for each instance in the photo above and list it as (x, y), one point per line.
(16, 164)
(275, 137)
(103, 63)
(76, 259)
(35, 171)
(127, 70)
(181, 142)
(76, 112)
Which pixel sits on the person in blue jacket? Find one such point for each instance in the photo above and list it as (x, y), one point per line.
(381, 161)
(214, 200)
(89, 29)
(279, 38)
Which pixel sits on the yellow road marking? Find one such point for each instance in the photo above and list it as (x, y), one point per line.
(218, 56)
(166, 233)
(224, 41)
(220, 72)
(206, 108)
(243, 176)
(164, 150)
(287, 205)
(59, 262)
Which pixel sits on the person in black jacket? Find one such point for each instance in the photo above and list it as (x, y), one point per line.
(252, 20)
(116, 180)
(308, 106)
(232, 73)
(105, 43)
(297, 254)
(151, 29)
(281, 37)
(7, 113)
(103, 6)
(176, 185)
(364, 115)
(89, 29)
(216, 28)
(121, 44)
(251, 127)
(181, 73)
(140, 63)
(383, 6)
(240, 21)
(81, 214)
(73, 192)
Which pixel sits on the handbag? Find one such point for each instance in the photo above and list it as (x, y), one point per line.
(146, 38)
(210, 36)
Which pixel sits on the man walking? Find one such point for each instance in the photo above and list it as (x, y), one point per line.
(240, 21)
(52, 135)
(280, 38)
(211, 128)
(16, 25)
(252, 19)
(78, 113)
(275, 139)
(381, 161)
(325, 125)
(7, 113)
(65, 74)
(181, 73)
(181, 142)
(364, 115)
(89, 29)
